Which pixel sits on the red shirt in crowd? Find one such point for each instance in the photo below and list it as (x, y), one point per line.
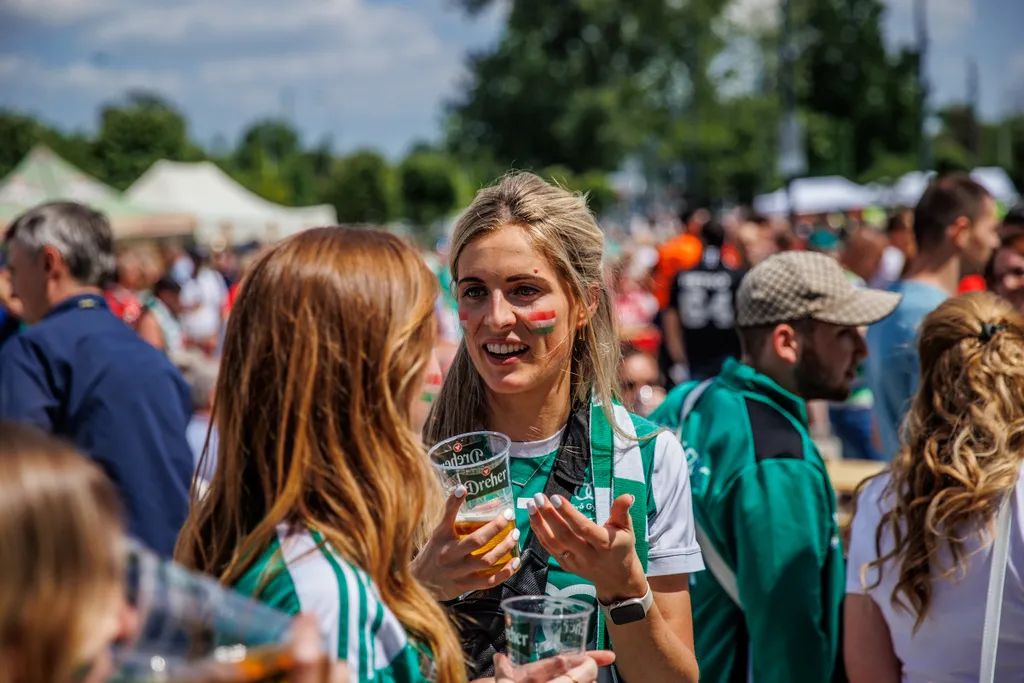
(123, 304)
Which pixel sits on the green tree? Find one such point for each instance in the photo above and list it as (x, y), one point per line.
(135, 134)
(860, 99)
(272, 162)
(75, 148)
(271, 141)
(594, 184)
(361, 189)
(582, 84)
(428, 187)
(19, 134)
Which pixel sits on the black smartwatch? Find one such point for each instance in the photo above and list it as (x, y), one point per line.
(628, 611)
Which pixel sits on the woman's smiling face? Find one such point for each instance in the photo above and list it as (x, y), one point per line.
(518, 318)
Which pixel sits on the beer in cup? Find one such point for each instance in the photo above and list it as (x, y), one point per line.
(191, 628)
(478, 461)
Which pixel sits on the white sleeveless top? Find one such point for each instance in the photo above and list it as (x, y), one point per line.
(947, 647)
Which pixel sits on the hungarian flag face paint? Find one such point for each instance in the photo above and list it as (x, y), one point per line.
(541, 322)
(431, 387)
(464, 320)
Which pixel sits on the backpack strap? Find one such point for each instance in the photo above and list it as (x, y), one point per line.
(715, 563)
(693, 395)
(996, 582)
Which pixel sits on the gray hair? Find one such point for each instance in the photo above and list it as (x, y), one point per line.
(80, 235)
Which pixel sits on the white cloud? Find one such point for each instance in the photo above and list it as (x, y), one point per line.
(368, 71)
(194, 21)
(85, 77)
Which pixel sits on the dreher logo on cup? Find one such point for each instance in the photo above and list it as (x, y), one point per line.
(462, 459)
(520, 641)
(487, 484)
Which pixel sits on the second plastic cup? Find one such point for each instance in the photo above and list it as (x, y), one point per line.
(538, 627)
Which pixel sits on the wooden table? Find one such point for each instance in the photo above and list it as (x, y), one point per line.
(846, 475)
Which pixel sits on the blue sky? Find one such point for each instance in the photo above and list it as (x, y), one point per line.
(367, 72)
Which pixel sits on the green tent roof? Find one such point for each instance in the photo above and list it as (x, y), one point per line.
(42, 176)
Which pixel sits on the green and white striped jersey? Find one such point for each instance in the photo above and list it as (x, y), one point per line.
(297, 573)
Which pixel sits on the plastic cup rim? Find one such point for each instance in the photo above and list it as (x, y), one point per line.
(586, 609)
(458, 468)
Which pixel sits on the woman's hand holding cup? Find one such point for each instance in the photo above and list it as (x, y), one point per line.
(450, 565)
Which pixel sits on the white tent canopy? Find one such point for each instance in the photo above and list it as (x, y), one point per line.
(816, 195)
(997, 182)
(908, 190)
(223, 208)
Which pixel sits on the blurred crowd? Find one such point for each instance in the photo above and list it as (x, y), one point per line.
(258, 413)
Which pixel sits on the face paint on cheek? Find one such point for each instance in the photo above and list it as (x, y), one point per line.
(541, 322)
(431, 388)
(464, 320)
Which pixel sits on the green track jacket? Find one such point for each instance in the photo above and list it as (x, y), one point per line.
(763, 498)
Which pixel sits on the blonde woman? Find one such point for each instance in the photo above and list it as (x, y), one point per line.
(321, 479)
(603, 498)
(921, 545)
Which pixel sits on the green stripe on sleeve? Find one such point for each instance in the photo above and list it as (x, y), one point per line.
(270, 582)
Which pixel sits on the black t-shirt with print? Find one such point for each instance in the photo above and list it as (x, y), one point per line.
(705, 297)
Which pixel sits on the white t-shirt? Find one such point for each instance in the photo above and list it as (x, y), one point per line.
(671, 531)
(208, 292)
(947, 648)
(889, 269)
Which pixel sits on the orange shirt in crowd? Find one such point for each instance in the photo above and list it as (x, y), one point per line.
(683, 252)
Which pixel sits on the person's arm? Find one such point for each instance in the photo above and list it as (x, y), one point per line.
(656, 648)
(660, 647)
(780, 509)
(672, 329)
(867, 645)
(25, 393)
(673, 555)
(149, 329)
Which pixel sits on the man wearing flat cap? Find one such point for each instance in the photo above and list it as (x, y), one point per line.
(769, 605)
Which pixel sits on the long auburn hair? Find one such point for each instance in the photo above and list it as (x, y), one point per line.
(965, 434)
(60, 533)
(323, 358)
(562, 228)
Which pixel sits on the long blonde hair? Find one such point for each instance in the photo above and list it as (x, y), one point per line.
(561, 227)
(324, 356)
(60, 527)
(965, 434)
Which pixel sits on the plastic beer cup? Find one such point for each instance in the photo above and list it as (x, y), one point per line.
(478, 461)
(191, 628)
(539, 626)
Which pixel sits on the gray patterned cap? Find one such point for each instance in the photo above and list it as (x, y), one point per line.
(795, 285)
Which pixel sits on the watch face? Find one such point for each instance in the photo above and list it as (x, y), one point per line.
(627, 614)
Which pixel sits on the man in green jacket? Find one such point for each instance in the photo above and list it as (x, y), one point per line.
(768, 608)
